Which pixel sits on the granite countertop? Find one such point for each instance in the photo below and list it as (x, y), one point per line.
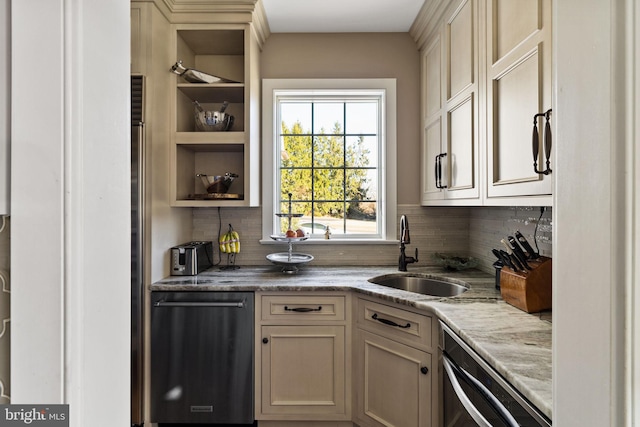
(516, 344)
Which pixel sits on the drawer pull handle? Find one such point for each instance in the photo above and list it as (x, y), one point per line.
(547, 142)
(389, 322)
(302, 309)
(424, 370)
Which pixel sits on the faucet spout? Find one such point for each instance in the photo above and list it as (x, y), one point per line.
(405, 239)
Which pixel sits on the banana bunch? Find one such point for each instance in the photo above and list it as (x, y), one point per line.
(230, 242)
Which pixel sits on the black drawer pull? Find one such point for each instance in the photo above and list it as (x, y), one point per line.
(302, 309)
(424, 370)
(389, 322)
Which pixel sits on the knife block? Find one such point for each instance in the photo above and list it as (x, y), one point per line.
(531, 291)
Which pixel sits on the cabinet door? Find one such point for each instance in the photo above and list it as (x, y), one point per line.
(139, 33)
(518, 86)
(431, 117)
(450, 72)
(394, 383)
(303, 372)
(461, 117)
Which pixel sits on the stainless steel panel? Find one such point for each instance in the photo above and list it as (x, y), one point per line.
(202, 368)
(137, 245)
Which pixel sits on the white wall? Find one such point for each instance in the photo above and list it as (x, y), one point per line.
(70, 199)
(5, 92)
(591, 237)
(5, 116)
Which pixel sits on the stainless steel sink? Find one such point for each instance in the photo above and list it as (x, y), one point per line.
(420, 284)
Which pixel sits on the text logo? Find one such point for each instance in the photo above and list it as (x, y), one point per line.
(34, 415)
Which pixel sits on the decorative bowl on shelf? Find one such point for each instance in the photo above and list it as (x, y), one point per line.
(213, 121)
(454, 262)
(217, 184)
(283, 238)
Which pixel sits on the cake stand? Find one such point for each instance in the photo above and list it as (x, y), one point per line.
(289, 260)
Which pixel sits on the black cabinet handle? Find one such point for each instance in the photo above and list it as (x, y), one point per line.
(438, 169)
(389, 322)
(535, 145)
(302, 309)
(265, 340)
(424, 370)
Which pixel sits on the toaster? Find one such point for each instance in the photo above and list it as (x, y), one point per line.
(191, 258)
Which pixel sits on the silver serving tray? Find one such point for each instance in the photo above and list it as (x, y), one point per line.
(283, 238)
(284, 258)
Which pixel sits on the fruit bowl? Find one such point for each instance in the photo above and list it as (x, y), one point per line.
(283, 238)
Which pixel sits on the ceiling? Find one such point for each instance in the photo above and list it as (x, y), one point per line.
(341, 16)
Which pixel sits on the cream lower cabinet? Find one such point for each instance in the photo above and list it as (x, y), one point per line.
(303, 357)
(395, 376)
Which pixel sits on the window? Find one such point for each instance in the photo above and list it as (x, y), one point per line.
(330, 144)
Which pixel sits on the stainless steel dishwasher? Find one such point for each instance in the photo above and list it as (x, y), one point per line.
(475, 394)
(202, 367)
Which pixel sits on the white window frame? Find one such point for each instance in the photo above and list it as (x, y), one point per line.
(387, 197)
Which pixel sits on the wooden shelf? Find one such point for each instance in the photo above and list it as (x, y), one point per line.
(214, 92)
(223, 50)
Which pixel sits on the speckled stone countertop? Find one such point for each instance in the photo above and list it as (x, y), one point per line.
(516, 344)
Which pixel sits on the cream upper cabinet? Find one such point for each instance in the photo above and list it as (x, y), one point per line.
(450, 74)
(519, 85)
(486, 71)
(396, 383)
(432, 145)
(140, 28)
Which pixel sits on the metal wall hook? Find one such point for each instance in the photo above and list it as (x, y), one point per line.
(547, 142)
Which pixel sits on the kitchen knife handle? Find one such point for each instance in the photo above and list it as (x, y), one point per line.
(518, 252)
(526, 246)
(507, 260)
(516, 262)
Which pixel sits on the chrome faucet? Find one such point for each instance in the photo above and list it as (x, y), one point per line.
(405, 239)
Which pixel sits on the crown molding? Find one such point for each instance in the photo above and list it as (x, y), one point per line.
(427, 20)
(204, 6)
(217, 12)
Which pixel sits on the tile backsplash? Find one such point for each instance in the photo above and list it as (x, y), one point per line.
(460, 230)
(490, 224)
(435, 230)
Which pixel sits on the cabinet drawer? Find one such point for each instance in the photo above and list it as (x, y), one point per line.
(296, 308)
(400, 325)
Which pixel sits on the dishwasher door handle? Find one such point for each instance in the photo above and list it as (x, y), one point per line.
(236, 304)
(452, 371)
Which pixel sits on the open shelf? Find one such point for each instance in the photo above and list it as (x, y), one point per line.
(222, 50)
